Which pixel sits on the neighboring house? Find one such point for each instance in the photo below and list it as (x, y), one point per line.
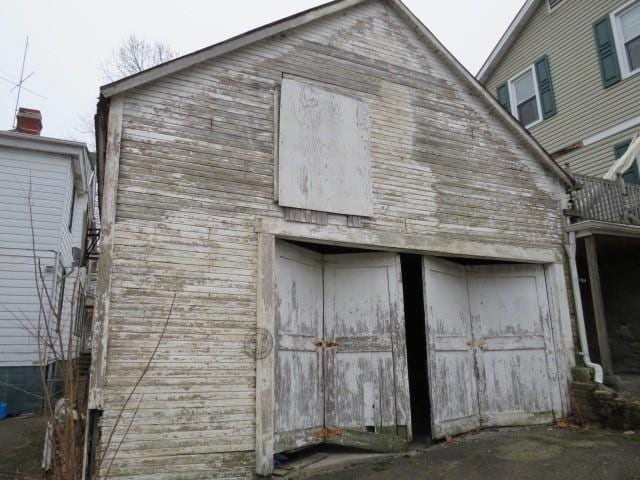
(362, 244)
(56, 177)
(570, 72)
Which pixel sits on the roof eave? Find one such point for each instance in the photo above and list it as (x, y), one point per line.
(78, 151)
(507, 39)
(226, 46)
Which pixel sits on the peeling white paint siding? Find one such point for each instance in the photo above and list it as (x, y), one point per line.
(195, 176)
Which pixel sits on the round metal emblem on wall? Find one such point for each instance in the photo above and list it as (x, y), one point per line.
(260, 345)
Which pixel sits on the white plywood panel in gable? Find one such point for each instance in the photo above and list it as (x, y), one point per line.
(324, 159)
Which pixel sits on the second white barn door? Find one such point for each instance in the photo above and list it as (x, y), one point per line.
(490, 352)
(515, 351)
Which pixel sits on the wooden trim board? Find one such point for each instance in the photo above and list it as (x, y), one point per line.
(103, 284)
(407, 243)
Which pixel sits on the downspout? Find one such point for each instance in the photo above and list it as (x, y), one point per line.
(570, 247)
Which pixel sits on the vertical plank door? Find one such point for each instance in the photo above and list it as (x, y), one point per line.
(450, 356)
(299, 394)
(516, 359)
(367, 389)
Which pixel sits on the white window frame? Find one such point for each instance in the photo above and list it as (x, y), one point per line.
(513, 99)
(619, 39)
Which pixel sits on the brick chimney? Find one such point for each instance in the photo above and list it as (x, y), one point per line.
(29, 121)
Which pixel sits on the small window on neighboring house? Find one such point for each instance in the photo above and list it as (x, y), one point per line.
(72, 207)
(525, 95)
(529, 96)
(626, 27)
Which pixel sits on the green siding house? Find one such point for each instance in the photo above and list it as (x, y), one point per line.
(568, 70)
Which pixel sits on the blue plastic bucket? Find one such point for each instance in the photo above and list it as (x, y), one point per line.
(3, 410)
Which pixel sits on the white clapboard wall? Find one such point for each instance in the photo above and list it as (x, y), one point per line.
(47, 180)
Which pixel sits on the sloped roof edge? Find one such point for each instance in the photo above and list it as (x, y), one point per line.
(507, 39)
(233, 43)
(78, 151)
(307, 16)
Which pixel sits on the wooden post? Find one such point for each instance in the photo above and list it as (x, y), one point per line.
(598, 305)
(100, 332)
(265, 366)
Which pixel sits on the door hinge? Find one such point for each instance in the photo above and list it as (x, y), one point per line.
(328, 432)
(325, 344)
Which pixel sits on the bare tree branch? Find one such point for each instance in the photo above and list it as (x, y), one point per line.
(135, 55)
(124, 435)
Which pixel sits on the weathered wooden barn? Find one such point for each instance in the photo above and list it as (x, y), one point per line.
(362, 244)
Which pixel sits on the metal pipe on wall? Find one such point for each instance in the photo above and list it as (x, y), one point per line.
(570, 247)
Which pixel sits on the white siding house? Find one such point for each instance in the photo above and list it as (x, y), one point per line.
(56, 178)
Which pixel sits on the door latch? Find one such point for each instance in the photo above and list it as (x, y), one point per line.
(477, 343)
(325, 344)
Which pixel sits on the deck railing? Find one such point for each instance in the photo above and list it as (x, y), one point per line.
(605, 201)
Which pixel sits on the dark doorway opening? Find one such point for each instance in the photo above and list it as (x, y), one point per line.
(618, 262)
(416, 347)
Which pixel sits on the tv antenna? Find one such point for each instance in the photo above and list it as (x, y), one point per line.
(19, 84)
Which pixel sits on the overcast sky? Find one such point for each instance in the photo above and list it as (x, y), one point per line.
(69, 39)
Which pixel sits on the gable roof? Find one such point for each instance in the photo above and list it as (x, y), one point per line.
(77, 151)
(508, 38)
(321, 11)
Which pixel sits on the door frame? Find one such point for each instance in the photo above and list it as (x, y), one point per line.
(268, 230)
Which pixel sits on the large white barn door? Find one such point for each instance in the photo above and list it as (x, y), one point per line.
(450, 356)
(516, 360)
(367, 393)
(299, 395)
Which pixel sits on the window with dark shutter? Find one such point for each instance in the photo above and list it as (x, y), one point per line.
(525, 98)
(607, 55)
(503, 96)
(545, 88)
